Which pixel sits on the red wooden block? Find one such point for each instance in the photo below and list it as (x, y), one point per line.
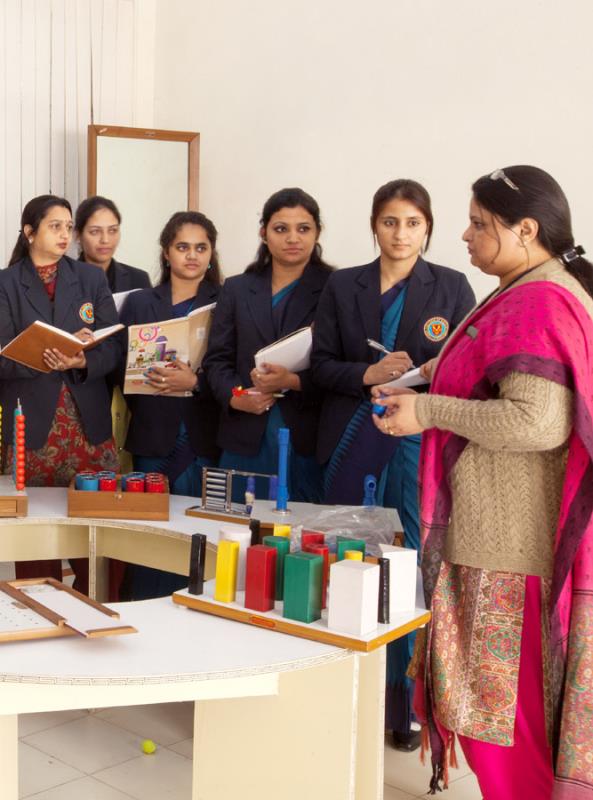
(320, 550)
(260, 578)
(311, 537)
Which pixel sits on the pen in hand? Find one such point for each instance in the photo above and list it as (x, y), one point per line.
(378, 346)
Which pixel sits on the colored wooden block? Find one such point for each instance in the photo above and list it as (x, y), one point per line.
(303, 573)
(402, 578)
(242, 535)
(282, 530)
(197, 563)
(227, 563)
(323, 551)
(353, 595)
(311, 537)
(260, 582)
(383, 610)
(344, 543)
(282, 546)
(353, 555)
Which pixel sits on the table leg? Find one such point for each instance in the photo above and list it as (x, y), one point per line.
(370, 751)
(299, 744)
(9, 772)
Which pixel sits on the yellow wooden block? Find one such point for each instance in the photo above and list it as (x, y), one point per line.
(282, 530)
(353, 555)
(227, 563)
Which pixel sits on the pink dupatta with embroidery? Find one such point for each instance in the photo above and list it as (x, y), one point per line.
(539, 328)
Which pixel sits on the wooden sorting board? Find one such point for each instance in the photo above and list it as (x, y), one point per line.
(43, 608)
(118, 504)
(317, 631)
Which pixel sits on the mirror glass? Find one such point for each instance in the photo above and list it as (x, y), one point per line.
(149, 175)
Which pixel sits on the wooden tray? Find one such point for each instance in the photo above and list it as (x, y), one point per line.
(118, 504)
(12, 502)
(24, 616)
(317, 631)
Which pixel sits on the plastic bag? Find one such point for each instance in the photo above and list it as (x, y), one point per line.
(374, 524)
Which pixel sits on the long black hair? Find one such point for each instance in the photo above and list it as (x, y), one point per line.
(86, 210)
(513, 193)
(33, 213)
(288, 198)
(404, 189)
(167, 237)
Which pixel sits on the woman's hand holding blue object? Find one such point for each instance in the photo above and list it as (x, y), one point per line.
(400, 417)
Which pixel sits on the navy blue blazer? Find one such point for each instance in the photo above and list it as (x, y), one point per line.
(155, 421)
(242, 325)
(23, 300)
(123, 277)
(349, 313)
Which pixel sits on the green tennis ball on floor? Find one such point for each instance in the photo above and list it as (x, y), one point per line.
(148, 747)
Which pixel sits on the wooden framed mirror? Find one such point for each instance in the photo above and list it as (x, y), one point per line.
(149, 174)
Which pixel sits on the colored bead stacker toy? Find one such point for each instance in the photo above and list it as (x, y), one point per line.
(13, 497)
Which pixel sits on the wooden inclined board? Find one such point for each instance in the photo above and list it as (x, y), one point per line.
(317, 631)
(118, 504)
(44, 608)
(13, 503)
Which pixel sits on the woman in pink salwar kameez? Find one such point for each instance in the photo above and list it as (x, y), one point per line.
(507, 506)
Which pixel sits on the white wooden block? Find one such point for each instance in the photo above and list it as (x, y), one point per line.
(353, 597)
(241, 534)
(402, 578)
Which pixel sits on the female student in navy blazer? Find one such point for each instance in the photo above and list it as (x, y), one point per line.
(409, 306)
(67, 409)
(97, 228)
(174, 435)
(275, 296)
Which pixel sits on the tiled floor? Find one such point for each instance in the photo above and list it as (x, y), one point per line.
(83, 755)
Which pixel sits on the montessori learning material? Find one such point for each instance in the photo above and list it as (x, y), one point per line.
(13, 497)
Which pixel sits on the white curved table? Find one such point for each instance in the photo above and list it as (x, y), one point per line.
(275, 716)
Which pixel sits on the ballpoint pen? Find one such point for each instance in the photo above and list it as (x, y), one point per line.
(378, 346)
(239, 391)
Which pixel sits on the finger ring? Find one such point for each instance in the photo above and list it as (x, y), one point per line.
(162, 380)
(395, 374)
(267, 408)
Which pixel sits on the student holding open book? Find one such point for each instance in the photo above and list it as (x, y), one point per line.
(276, 295)
(67, 408)
(174, 435)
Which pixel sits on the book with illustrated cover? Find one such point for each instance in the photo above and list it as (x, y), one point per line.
(27, 348)
(160, 344)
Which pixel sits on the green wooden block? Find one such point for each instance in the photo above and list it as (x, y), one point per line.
(344, 543)
(302, 586)
(282, 546)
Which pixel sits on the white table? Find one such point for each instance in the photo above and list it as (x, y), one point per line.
(275, 716)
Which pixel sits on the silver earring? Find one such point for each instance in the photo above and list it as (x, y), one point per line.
(31, 240)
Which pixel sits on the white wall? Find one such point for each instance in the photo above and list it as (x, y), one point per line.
(339, 97)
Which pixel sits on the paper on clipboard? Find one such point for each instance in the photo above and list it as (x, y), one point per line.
(293, 352)
(409, 379)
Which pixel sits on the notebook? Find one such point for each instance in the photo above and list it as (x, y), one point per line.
(292, 352)
(27, 348)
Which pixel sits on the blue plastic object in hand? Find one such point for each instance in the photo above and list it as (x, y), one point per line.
(379, 410)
